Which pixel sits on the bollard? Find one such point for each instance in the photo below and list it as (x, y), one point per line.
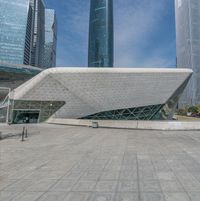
(1, 137)
(26, 133)
(23, 132)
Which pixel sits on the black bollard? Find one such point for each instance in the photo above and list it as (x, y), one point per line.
(26, 133)
(23, 132)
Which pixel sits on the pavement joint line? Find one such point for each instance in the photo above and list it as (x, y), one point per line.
(185, 191)
(92, 156)
(117, 186)
(158, 180)
(78, 162)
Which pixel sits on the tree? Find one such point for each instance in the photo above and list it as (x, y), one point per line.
(193, 110)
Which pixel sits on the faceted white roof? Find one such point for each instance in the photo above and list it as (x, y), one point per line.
(91, 90)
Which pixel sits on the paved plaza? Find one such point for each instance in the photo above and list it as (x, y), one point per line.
(63, 163)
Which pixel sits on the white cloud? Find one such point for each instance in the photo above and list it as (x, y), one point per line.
(137, 22)
(135, 26)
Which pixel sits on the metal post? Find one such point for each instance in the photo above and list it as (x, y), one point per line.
(8, 109)
(12, 106)
(26, 133)
(23, 132)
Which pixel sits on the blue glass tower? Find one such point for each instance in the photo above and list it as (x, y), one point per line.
(49, 58)
(22, 32)
(15, 31)
(100, 50)
(38, 35)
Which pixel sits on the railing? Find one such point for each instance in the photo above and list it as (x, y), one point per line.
(5, 105)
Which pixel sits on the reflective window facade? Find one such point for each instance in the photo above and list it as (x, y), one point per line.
(137, 113)
(38, 33)
(32, 111)
(13, 24)
(188, 46)
(49, 59)
(100, 51)
(22, 32)
(14, 75)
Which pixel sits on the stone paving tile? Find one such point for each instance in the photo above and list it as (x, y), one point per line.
(41, 185)
(59, 163)
(5, 183)
(128, 196)
(91, 175)
(178, 196)
(106, 186)
(128, 175)
(54, 175)
(63, 186)
(194, 196)
(28, 196)
(96, 196)
(19, 186)
(8, 196)
(110, 175)
(73, 175)
(166, 176)
(191, 185)
(152, 197)
(127, 186)
(84, 186)
(52, 196)
(150, 186)
(171, 186)
(77, 196)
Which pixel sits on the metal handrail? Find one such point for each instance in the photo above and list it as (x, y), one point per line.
(6, 99)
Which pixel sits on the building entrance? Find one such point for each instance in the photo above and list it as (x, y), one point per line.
(25, 117)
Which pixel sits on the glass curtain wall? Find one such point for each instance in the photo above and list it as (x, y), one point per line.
(100, 51)
(188, 46)
(13, 28)
(49, 59)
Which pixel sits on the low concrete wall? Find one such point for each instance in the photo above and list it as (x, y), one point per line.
(144, 125)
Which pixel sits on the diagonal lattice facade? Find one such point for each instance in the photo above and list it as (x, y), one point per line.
(137, 113)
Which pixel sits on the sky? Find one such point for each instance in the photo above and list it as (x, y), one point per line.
(144, 32)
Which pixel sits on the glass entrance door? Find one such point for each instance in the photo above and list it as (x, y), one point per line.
(25, 117)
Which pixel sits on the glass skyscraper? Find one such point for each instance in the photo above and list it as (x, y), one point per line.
(22, 32)
(188, 46)
(50, 39)
(100, 50)
(15, 31)
(38, 33)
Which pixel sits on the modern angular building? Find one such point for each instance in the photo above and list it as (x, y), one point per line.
(12, 76)
(49, 57)
(188, 46)
(22, 32)
(99, 94)
(100, 50)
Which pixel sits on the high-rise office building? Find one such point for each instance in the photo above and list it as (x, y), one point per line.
(188, 46)
(22, 32)
(15, 31)
(49, 58)
(100, 50)
(38, 33)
